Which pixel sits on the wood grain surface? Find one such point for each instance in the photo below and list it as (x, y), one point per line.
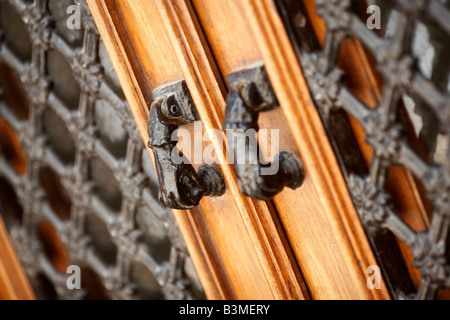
(14, 284)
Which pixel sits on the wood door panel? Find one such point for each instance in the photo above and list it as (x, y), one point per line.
(220, 243)
(14, 284)
(318, 239)
(146, 33)
(206, 86)
(128, 66)
(227, 31)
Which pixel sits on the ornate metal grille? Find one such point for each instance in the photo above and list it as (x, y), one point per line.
(404, 76)
(87, 177)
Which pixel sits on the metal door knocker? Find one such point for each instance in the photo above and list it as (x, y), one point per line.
(250, 94)
(181, 187)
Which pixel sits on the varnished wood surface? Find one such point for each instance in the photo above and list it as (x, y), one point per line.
(14, 284)
(232, 261)
(258, 218)
(244, 248)
(129, 69)
(319, 219)
(228, 32)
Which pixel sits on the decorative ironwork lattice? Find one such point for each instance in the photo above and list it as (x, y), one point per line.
(107, 216)
(403, 76)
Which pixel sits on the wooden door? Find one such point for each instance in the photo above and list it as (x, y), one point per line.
(306, 243)
(374, 198)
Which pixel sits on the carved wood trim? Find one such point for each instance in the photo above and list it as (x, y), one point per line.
(258, 217)
(264, 231)
(199, 245)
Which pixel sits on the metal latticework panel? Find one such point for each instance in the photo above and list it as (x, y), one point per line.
(86, 178)
(412, 77)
